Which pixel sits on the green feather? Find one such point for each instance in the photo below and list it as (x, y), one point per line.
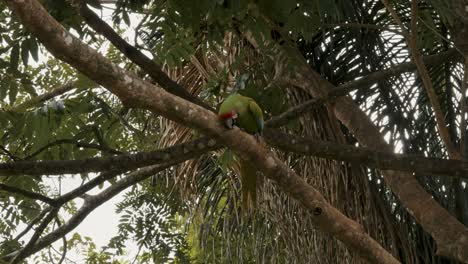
(249, 114)
(250, 119)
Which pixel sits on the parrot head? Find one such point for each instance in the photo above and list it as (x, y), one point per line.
(229, 119)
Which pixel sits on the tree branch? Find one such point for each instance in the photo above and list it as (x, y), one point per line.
(366, 156)
(137, 57)
(23, 253)
(363, 83)
(91, 202)
(286, 142)
(123, 162)
(28, 194)
(30, 225)
(73, 142)
(135, 92)
(43, 97)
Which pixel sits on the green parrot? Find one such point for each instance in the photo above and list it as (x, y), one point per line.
(244, 113)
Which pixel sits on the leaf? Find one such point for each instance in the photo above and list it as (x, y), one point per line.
(12, 92)
(95, 3)
(33, 49)
(29, 88)
(4, 49)
(3, 88)
(84, 82)
(126, 18)
(25, 52)
(14, 58)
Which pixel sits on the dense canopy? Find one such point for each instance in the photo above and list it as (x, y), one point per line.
(362, 157)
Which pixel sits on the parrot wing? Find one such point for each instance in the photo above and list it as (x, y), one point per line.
(256, 112)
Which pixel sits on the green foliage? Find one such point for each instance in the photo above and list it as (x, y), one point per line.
(152, 217)
(206, 226)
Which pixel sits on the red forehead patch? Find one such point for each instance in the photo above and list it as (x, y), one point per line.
(227, 115)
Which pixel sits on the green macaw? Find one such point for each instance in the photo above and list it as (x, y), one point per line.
(245, 113)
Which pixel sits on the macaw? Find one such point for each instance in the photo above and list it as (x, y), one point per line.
(244, 113)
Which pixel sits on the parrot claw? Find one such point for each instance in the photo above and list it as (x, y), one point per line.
(258, 136)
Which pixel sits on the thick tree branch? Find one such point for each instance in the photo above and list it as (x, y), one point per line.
(135, 92)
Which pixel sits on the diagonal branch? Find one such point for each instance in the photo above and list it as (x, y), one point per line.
(363, 83)
(43, 97)
(23, 253)
(135, 92)
(31, 225)
(136, 56)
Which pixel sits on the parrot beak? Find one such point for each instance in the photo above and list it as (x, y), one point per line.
(231, 122)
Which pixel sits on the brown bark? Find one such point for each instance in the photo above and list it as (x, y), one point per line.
(286, 142)
(450, 235)
(122, 162)
(367, 156)
(135, 92)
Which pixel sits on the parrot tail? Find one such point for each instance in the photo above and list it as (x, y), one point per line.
(249, 185)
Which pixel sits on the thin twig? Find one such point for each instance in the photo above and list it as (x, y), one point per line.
(28, 194)
(123, 162)
(24, 252)
(73, 142)
(8, 153)
(42, 98)
(64, 240)
(30, 225)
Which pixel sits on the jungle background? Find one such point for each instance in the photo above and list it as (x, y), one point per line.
(400, 65)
